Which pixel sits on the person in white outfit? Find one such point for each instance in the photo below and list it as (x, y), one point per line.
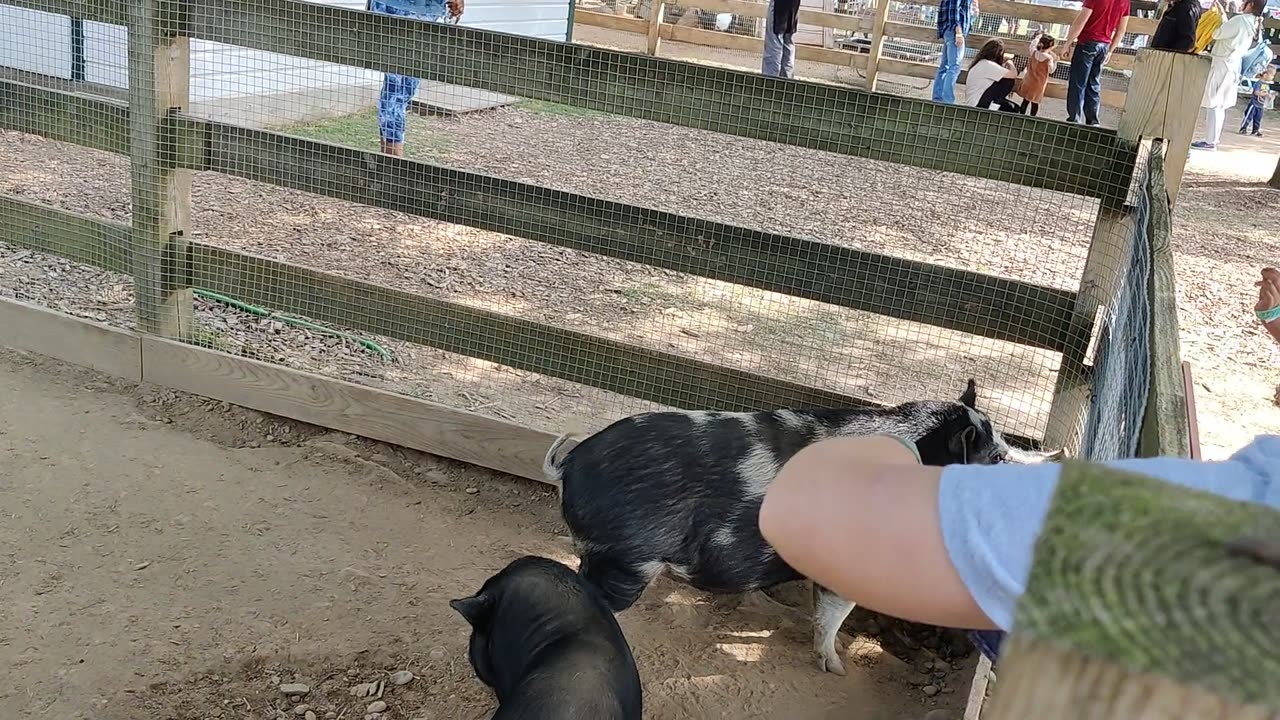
(1230, 43)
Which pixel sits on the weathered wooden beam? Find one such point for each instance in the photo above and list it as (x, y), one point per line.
(88, 121)
(1048, 14)
(111, 12)
(808, 16)
(99, 243)
(1145, 107)
(1041, 154)
(963, 300)
(159, 79)
(106, 349)
(879, 31)
(656, 10)
(1164, 103)
(1013, 46)
(986, 305)
(390, 417)
(579, 357)
(1146, 600)
(583, 358)
(1166, 431)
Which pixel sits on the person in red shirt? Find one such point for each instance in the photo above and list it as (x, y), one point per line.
(1099, 26)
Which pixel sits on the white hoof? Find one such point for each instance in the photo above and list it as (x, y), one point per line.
(831, 662)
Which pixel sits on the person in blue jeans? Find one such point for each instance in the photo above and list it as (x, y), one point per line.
(955, 19)
(1260, 90)
(398, 90)
(1097, 29)
(782, 19)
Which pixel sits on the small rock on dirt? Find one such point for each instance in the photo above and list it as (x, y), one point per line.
(301, 709)
(376, 706)
(309, 716)
(401, 677)
(294, 689)
(472, 490)
(938, 715)
(930, 690)
(331, 715)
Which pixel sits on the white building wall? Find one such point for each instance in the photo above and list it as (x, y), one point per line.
(221, 71)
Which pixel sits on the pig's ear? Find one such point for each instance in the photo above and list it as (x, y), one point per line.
(962, 442)
(970, 397)
(473, 609)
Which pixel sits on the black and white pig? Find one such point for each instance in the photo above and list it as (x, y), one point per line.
(549, 646)
(681, 492)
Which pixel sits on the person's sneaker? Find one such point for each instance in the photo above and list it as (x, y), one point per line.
(1202, 145)
(1244, 131)
(1258, 133)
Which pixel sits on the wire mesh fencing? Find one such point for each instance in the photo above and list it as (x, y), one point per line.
(551, 234)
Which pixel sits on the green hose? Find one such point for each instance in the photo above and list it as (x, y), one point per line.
(291, 320)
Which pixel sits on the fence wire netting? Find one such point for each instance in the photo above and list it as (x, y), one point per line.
(572, 234)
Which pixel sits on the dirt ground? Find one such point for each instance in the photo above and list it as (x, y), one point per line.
(165, 556)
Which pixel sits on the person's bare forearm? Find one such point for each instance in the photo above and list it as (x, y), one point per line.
(859, 516)
(1118, 36)
(1077, 25)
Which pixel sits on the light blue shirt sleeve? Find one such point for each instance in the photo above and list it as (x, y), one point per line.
(991, 515)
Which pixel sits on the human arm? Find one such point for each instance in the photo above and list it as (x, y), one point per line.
(456, 8)
(948, 546)
(1117, 36)
(1077, 25)
(1226, 29)
(822, 507)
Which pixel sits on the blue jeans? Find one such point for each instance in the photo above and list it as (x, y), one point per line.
(1084, 87)
(398, 90)
(779, 50)
(1252, 116)
(944, 83)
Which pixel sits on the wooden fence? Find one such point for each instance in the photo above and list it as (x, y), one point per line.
(879, 27)
(166, 144)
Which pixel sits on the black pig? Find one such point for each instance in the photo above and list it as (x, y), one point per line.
(681, 492)
(548, 645)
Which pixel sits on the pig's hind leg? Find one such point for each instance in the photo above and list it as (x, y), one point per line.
(829, 613)
(621, 581)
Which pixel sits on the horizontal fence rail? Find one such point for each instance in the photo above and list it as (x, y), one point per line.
(968, 301)
(652, 375)
(1062, 157)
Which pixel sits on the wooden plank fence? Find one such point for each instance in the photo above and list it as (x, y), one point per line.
(164, 143)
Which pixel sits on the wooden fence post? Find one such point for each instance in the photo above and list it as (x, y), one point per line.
(656, 11)
(1163, 102)
(1146, 600)
(877, 43)
(1166, 429)
(159, 77)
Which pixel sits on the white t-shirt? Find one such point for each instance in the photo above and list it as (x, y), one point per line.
(981, 76)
